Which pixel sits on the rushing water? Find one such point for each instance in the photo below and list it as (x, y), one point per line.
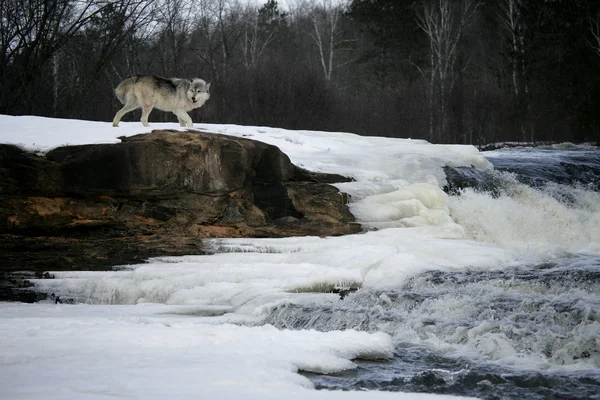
(528, 332)
(531, 332)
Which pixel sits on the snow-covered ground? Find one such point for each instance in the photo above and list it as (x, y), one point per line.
(191, 326)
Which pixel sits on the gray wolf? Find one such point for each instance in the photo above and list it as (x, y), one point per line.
(167, 94)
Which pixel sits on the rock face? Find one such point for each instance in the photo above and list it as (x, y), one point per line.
(95, 206)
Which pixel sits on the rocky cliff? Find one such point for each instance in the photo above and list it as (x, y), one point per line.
(100, 205)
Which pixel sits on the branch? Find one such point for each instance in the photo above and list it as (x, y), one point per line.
(595, 30)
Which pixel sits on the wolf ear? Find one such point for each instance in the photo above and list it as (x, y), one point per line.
(207, 87)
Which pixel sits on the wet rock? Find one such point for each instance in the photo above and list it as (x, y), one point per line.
(95, 206)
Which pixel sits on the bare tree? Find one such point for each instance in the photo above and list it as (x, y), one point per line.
(33, 32)
(93, 50)
(595, 30)
(176, 20)
(139, 30)
(327, 34)
(218, 31)
(513, 21)
(260, 29)
(444, 22)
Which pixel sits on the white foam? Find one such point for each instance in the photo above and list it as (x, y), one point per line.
(150, 347)
(418, 204)
(529, 219)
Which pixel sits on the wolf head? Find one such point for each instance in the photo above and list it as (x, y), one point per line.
(198, 92)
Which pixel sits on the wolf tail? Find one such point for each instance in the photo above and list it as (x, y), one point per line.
(122, 90)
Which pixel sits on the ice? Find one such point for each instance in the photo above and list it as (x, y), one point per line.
(74, 352)
(93, 352)
(249, 279)
(193, 326)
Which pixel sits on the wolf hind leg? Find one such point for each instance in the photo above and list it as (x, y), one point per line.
(183, 116)
(129, 106)
(146, 110)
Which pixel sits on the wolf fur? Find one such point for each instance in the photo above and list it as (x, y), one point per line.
(168, 94)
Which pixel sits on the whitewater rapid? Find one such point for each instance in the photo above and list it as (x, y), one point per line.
(490, 288)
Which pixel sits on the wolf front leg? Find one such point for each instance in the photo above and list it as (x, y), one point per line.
(183, 116)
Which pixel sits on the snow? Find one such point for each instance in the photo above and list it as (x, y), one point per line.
(192, 326)
(82, 351)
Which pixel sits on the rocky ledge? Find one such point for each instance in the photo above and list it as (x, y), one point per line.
(95, 206)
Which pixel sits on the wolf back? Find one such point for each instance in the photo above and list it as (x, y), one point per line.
(168, 94)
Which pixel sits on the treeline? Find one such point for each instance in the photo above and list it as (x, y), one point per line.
(451, 71)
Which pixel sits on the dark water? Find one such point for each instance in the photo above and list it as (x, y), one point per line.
(423, 371)
(547, 315)
(536, 167)
(531, 332)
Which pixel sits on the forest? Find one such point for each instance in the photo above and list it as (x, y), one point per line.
(448, 71)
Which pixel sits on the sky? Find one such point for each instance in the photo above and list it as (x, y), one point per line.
(192, 326)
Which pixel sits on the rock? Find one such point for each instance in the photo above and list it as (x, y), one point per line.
(95, 206)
